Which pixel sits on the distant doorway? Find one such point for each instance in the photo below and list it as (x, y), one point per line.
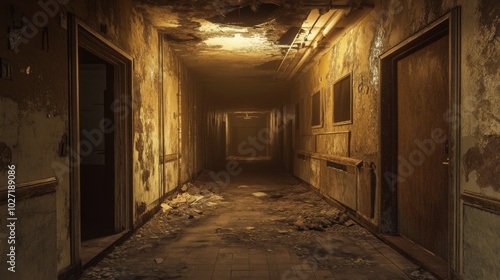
(248, 136)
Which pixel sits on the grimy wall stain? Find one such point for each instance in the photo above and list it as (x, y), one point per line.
(485, 163)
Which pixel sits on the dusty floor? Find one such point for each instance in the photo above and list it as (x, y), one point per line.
(260, 226)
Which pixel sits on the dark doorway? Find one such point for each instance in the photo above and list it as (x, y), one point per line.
(422, 79)
(97, 168)
(101, 139)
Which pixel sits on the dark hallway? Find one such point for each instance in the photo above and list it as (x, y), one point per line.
(250, 139)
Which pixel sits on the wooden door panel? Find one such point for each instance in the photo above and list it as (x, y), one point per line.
(423, 98)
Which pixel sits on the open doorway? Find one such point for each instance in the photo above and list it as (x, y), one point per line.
(97, 167)
(101, 137)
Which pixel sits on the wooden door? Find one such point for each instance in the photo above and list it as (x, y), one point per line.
(422, 98)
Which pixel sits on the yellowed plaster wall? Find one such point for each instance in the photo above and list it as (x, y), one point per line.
(34, 113)
(480, 137)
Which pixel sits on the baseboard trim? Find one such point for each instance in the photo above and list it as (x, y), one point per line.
(418, 255)
(72, 272)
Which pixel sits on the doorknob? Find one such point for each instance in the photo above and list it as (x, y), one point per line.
(447, 162)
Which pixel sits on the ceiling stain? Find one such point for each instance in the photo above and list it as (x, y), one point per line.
(228, 42)
(180, 38)
(248, 15)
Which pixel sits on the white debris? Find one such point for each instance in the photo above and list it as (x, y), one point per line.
(216, 197)
(178, 200)
(158, 260)
(259, 194)
(165, 207)
(194, 199)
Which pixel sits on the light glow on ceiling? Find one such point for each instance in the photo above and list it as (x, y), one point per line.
(207, 26)
(238, 43)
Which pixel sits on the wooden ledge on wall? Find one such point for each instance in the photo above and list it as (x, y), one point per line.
(481, 201)
(30, 189)
(168, 158)
(336, 159)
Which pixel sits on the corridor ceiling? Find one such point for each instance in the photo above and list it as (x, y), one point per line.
(240, 46)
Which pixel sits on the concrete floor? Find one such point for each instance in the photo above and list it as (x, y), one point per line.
(249, 237)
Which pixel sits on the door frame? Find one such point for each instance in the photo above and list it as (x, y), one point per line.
(388, 214)
(81, 35)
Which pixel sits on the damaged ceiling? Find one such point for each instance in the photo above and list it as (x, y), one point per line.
(249, 46)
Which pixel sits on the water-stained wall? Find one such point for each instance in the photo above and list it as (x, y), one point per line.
(34, 112)
(358, 53)
(480, 137)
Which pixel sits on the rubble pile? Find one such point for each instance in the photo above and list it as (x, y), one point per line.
(192, 201)
(321, 222)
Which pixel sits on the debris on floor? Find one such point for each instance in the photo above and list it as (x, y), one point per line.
(177, 212)
(259, 194)
(264, 218)
(295, 216)
(419, 274)
(191, 202)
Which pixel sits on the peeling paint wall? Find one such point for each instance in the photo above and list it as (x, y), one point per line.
(480, 135)
(192, 98)
(34, 112)
(480, 112)
(34, 122)
(171, 90)
(357, 53)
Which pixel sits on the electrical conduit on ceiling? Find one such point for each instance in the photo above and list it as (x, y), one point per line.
(334, 18)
